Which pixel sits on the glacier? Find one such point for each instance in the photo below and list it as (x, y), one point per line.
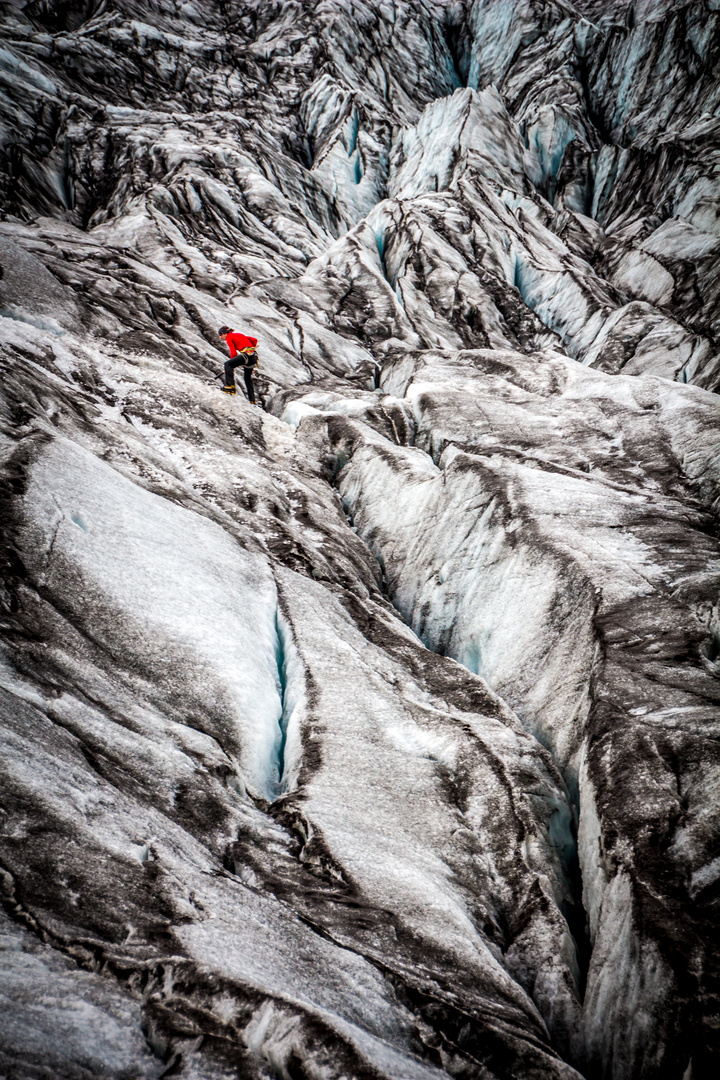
(373, 732)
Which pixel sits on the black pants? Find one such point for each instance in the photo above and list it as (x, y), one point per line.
(230, 366)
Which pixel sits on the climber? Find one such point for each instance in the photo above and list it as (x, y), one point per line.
(244, 348)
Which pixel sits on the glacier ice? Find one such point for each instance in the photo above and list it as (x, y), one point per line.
(373, 732)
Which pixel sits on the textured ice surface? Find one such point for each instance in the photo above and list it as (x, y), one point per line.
(373, 733)
(60, 1019)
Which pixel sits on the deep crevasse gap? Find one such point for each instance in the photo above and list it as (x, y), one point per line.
(563, 823)
(288, 747)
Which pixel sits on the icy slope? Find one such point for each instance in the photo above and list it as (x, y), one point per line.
(548, 528)
(372, 733)
(192, 674)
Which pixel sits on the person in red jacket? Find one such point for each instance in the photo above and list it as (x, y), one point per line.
(242, 353)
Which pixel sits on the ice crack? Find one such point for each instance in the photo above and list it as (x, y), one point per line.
(281, 660)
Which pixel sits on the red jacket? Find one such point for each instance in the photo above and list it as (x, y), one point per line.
(237, 342)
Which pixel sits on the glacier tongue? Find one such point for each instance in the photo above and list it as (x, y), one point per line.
(372, 732)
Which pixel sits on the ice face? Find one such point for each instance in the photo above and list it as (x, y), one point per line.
(372, 732)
